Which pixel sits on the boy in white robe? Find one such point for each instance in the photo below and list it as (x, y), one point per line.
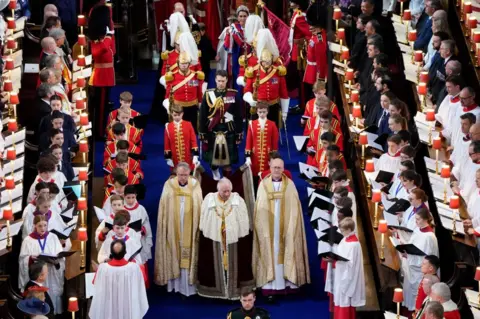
(116, 204)
(42, 207)
(463, 181)
(390, 161)
(460, 147)
(46, 169)
(450, 104)
(342, 202)
(396, 184)
(54, 193)
(349, 280)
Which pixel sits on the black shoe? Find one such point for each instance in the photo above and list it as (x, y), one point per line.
(295, 110)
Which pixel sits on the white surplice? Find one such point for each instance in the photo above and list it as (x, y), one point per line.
(459, 155)
(132, 242)
(279, 283)
(181, 284)
(465, 175)
(55, 222)
(137, 212)
(396, 185)
(60, 182)
(55, 278)
(411, 266)
(447, 110)
(349, 277)
(119, 293)
(453, 132)
(388, 163)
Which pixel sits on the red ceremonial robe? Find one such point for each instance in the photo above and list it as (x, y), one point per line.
(260, 143)
(180, 142)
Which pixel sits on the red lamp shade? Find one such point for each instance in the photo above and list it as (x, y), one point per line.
(7, 86)
(422, 88)
(454, 202)
(337, 14)
(9, 65)
(430, 116)
(341, 34)
(472, 22)
(424, 77)
(345, 54)
(11, 24)
(81, 82)
(412, 35)
(476, 36)
(363, 138)
(72, 304)
(12, 125)
(80, 104)
(349, 75)
(11, 154)
(12, 5)
(357, 112)
(8, 213)
(84, 119)
(82, 203)
(9, 183)
(82, 234)
(437, 143)
(355, 96)
(418, 56)
(14, 98)
(398, 295)
(382, 226)
(11, 44)
(376, 196)
(83, 175)
(407, 15)
(81, 21)
(467, 7)
(445, 171)
(477, 274)
(83, 146)
(369, 166)
(81, 62)
(82, 40)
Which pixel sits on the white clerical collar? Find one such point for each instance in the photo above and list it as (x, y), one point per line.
(37, 283)
(449, 306)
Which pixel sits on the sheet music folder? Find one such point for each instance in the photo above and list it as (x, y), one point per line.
(410, 249)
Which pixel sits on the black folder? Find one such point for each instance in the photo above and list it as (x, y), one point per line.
(401, 228)
(54, 259)
(321, 204)
(109, 225)
(135, 254)
(64, 234)
(136, 225)
(140, 121)
(400, 205)
(370, 129)
(316, 179)
(386, 188)
(384, 177)
(332, 255)
(410, 249)
(332, 235)
(382, 139)
(137, 157)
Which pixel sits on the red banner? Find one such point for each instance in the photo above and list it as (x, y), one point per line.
(281, 33)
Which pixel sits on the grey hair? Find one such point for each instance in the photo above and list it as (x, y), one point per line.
(44, 90)
(431, 280)
(455, 66)
(48, 43)
(183, 165)
(44, 74)
(225, 181)
(50, 60)
(56, 33)
(450, 45)
(435, 309)
(442, 290)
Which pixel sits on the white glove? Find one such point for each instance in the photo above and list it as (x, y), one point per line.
(195, 160)
(162, 81)
(241, 81)
(170, 162)
(248, 97)
(284, 116)
(110, 31)
(166, 105)
(284, 103)
(311, 149)
(248, 161)
(204, 87)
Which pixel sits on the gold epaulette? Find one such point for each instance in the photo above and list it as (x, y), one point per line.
(279, 61)
(165, 55)
(200, 75)
(242, 61)
(199, 53)
(282, 71)
(249, 72)
(168, 77)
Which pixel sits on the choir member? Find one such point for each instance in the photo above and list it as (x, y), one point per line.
(408, 152)
(58, 204)
(43, 206)
(126, 99)
(349, 281)
(122, 166)
(460, 147)
(277, 238)
(334, 166)
(441, 293)
(132, 134)
(473, 222)
(118, 188)
(463, 181)
(424, 239)
(410, 180)
(430, 267)
(418, 200)
(38, 274)
(180, 141)
(41, 241)
(322, 104)
(311, 108)
(390, 161)
(339, 178)
(396, 183)
(446, 111)
(262, 139)
(46, 170)
(333, 154)
(342, 203)
(119, 144)
(176, 252)
(115, 205)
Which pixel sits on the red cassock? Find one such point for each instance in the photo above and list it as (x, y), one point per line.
(455, 314)
(326, 171)
(335, 126)
(103, 74)
(180, 143)
(317, 66)
(301, 31)
(131, 177)
(260, 143)
(132, 166)
(111, 151)
(421, 295)
(310, 107)
(108, 192)
(272, 84)
(132, 134)
(113, 116)
(187, 89)
(319, 159)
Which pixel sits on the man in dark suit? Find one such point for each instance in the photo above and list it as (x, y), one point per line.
(437, 72)
(46, 121)
(424, 25)
(48, 48)
(38, 273)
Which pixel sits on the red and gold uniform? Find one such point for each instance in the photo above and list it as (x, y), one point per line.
(170, 62)
(132, 166)
(301, 31)
(180, 142)
(261, 141)
(319, 159)
(326, 171)
(113, 116)
(310, 109)
(111, 151)
(317, 65)
(132, 178)
(334, 126)
(246, 61)
(103, 74)
(132, 134)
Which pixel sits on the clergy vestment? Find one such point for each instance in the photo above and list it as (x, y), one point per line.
(426, 241)
(280, 257)
(34, 245)
(262, 139)
(176, 248)
(225, 248)
(453, 132)
(132, 243)
(389, 162)
(460, 151)
(450, 310)
(119, 291)
(349, 280)
(138, 212)
(447, 110)
(465, 175)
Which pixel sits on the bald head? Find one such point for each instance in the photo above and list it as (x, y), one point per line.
(475, 132)
(48, 45)
(224, 188)
(178, 7)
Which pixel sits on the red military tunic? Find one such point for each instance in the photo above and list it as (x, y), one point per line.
(319, 159)
(260, 143)
(132, 166)
(317, 65)
(273, 86)
(103, 73)
(111, 151)
(111, 25)
(132, 134)
(245, 61)
(301, 31)
(113, 116)
(310, 109)
(180, 142)
(170, 62)
(187, 89)
(334, 126)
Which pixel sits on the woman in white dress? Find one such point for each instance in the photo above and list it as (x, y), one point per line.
(424, 239)
(40, 241)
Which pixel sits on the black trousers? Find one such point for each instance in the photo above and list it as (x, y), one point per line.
(190, 114)
(98, 108)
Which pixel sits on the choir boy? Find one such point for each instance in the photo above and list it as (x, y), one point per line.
(119, 132)
(125, 164)
(116, 205)
(342, 203)
(58, 204)
(317, 149)
(334, 166)
(112, 149)
(390, 161)
(460, 148)
(319, 90)
(126, 99)
(42, 207)
(46, 170)
(40, 189)
(322, 105)
(339, 178)
(334, 154)
(132, 134)
(118, 188)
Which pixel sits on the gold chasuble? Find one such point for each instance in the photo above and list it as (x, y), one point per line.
(292, 252)
(176, 247)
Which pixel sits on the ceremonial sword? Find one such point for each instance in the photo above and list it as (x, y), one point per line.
(286, 138)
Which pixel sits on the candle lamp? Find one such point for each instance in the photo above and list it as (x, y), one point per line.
(8, 86)
(475, 41)
(467, 9)
(73, 306)
(357, 113)
(437, 145)
(412, 37)
(81, 62)
(83, 178)
(376, 198)
(82, 41)
(83, 148)
(345, 55)
(12, 5)
(81, 21)
(398, 299)
(445, 174)
(454, 205)
(80, 103)
(82, 237)
(12, 125)
(14, 98)
(430, 118)
(8, 216)
(382, 228)
(84, 119)
(422, 92)
(477, 278)
(11, 156)
(11, 23)
(472, 24)
(401, 9)
(11, 44)
(363, 140)
(81, 82)
(407, 15)
(423, 77)
(349, 76)
(9, 65)
(9, 183)
(82, 207)
(341, 36)
(369, 168)
(337, 15)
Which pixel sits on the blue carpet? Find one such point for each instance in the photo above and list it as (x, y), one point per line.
(312, 303)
